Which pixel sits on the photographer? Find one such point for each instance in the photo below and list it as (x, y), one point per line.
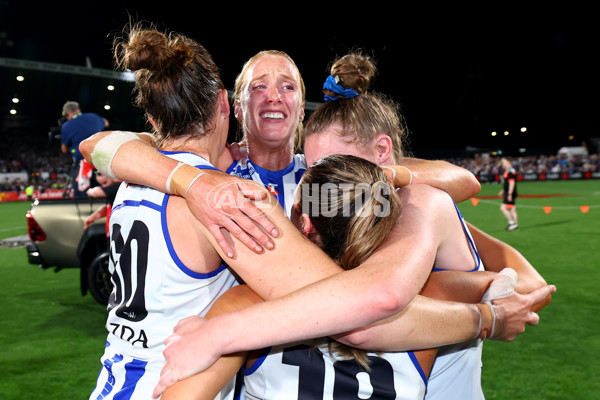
(78, 127)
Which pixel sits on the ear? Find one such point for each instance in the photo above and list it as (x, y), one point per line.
(308, 229)
(224, 103)
(152, 121)
(383, 149)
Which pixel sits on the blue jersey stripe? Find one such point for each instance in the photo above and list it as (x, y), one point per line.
(414, 360)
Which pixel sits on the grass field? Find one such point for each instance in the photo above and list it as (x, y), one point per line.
(53, 337)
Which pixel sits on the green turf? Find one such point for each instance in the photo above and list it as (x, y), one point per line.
(559, 358)
(53, 337)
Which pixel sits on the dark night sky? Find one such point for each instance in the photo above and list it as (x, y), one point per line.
(458, 73)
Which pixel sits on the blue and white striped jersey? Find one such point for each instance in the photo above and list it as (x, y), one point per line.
(282, 184)
(152, 290)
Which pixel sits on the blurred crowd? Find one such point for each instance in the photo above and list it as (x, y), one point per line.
(39, 160)
(46, 167)
(543, 164)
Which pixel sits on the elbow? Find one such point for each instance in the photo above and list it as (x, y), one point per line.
(382, 306)
(386, 300)
(474, 186)
(86, 148)
(469, 187)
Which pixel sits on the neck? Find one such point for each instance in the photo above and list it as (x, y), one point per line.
(272, 159)
(200, 146)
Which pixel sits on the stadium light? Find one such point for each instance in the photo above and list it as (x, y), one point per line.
(15, 100)
(20, 78)
(494, 133)
(505, 133)
(523, 129)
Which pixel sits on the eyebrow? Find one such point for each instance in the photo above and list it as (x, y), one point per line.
(285, 76)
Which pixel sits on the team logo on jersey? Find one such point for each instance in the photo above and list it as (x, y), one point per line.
(271, 188)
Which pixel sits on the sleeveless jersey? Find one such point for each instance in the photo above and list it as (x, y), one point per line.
(303, 372)
(456, 371)
(282, 184)
(152, 290)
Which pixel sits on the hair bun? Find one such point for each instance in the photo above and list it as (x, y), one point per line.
(154, 51)
(354, 71)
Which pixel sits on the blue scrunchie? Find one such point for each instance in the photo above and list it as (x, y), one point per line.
(332, 85)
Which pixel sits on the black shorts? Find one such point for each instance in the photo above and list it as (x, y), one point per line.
(506, 201)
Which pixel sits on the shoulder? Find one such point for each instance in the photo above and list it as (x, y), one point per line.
(423, 195)
(67, 125)
(424, 205)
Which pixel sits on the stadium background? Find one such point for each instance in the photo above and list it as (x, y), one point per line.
(459, 74)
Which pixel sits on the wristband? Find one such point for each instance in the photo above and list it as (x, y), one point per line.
(390, 169)
(181, 179)
(403, 177)
(485, 330)
(409, 173)
(399, 180)
(192, 182)
(106, 148)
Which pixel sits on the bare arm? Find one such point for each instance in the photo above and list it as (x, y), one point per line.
(381, 287)
(130, 163)
(459, 286)
(207, 384)
(497, 255)
(458, 182)
(132, 159)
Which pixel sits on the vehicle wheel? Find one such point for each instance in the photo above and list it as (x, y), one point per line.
(98, 278)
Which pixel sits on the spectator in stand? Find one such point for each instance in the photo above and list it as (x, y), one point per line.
(79, 126)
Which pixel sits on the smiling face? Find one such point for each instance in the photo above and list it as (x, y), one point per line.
(270, 105)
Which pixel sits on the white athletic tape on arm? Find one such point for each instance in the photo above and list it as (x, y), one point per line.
(502, 286)
(105, 150)
(393, 172)
(168, 184)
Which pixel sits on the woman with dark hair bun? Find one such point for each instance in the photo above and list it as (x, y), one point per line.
(156, 270)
